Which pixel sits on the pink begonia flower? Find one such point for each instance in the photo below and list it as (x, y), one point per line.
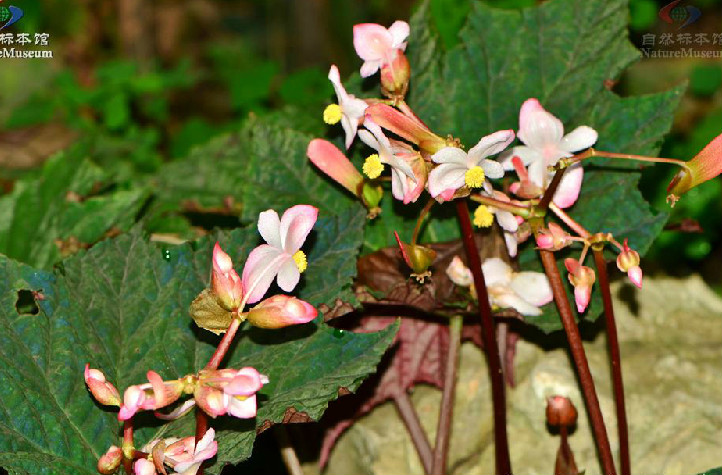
(377, 45)
(523, 291)
(544, 145)
(459, 273)
(103, 391)
(458, 167)
(330, 160)
(225, 282)
(282, 255)
(186, 457)
(706, 165)
(229, 391)
(152, 395)
(628, 261)
(582, 278)
(352, 110)
(281, 311)
(403, 180)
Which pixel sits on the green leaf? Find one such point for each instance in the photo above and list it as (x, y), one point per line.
(72, 200)
(560, 52)
(714, 471)
(123, 308)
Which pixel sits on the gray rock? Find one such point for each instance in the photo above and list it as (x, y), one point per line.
(671, 344)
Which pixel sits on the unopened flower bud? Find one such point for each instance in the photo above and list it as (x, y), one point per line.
(561, 412)
(417, 257)
(144, 467)
(331, 161)
(582, 278)
(553, 239)
(371, 196)
(395, 75)
(628, 261)
(103, 391)
(281, 311)
(110, 461)
(405, 126)
(225, 282)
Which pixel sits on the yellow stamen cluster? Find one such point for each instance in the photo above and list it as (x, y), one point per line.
(300, 259)
(373, 167)
(332, 114)
(483, 218)
(474, 177)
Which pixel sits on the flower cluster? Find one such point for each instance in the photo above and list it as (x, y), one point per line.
(221, 308)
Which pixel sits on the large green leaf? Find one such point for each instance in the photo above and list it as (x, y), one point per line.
(122, 307)
(72, 201)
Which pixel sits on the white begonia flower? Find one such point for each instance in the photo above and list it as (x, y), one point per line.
(458, 168)
(523, 291)
(544, 145)
(400, 168)
(350, 109)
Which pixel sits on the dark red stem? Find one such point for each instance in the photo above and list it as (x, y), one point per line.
(551, 189)
(488, 334)
(616, 361)
(446, 411)
(580, 361)
(418, 436)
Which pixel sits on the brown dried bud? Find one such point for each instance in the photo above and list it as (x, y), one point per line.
(561, 412)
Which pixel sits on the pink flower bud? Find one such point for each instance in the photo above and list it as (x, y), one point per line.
(582, 278)
(628, 261)
(103, 392)
(553, 239)
(409, 128)
(225, 282)
(110, 461)
(210, 401)
(281, 311)
(331, 161)
(152, 395)
(395, 76)
(229, 391)
(706, 165)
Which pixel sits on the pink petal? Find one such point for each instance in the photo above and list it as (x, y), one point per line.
(144, 467)
(369, 68)
(245, 383)
(404, 126)
(288, 275)
(635, 275)
(335, 78)
(296, 223)
(570, 186)
(335, 164)
(491, 145)
(448, 176)
(533, 287)
(261, 268)
(399, 31)
(281, 311)
(580, 138)
(538, 128)
(526, 154)
(371, 41)
(582, 295)
(221, 261)
(206, 447)
(269, 226)
(243, 409)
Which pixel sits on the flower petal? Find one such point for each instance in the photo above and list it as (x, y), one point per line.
(537, 127)
(512, 243)
(399, 31)
(446, 176)
(243, 409)
(533, 286)
(269, 226)
(510, 299)
(506, 220)
(261, 268)
(369, 68)
(288, 275)
(492, 169)
(330, 160)
(491, 145)
(580, 138)
(371, 41)
(335, 78)
(568, 191)
(296, 223)
(496, 272)
(246, 382)
(528, 155)
(450, 155)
